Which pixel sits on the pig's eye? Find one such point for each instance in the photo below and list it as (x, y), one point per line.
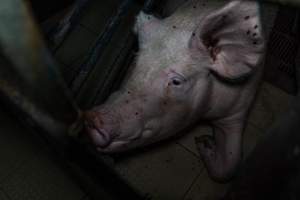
(177, 86)
(177, 81)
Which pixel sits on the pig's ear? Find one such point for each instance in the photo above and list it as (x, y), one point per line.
(146, 26)
(232, 39)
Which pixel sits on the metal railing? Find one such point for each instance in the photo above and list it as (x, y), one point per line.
(29, 76)
(31, 83)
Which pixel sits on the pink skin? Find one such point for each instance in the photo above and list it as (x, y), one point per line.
(185, 74)
(136, 121)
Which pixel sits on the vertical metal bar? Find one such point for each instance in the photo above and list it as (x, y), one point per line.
(97, 50)
(30, 78)
(58, 34)
(148, 6)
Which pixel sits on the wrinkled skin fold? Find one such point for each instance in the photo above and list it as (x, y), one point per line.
(202, 62)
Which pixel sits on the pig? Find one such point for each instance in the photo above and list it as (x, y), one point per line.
(200, 63)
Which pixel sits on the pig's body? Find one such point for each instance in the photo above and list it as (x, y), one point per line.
(200, 63)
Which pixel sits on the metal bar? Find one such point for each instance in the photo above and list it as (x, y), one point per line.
(97, 50)
(60, 31)
(148, 6)
(294, 3)
(116, 72)
(30, 78)
(30, 81)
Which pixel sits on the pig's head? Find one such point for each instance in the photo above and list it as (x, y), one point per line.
(171, 84)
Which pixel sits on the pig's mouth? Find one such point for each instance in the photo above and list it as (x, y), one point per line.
(108, 138)
(105, 142)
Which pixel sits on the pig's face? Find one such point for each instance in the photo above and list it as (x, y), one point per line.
(171, 84)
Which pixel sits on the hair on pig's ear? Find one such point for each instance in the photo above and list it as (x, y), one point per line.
(232, 36)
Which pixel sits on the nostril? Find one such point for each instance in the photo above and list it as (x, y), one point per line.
(95, 129)
(99, 137)
(104, 134)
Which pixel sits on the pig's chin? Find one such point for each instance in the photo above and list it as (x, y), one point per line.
(114, 147)
(124, 144)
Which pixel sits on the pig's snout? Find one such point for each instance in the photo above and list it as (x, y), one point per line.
(96, 131)
(100, 137)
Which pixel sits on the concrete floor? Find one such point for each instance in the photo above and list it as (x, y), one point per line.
(172, 171)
